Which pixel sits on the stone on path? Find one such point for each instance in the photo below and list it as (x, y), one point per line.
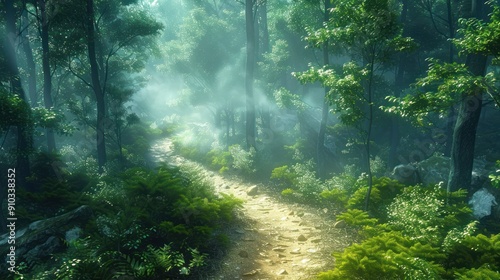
(339, 224)
(243, 254)
(252, 191)
(295, 251)
(302, 238)
(250, 273)
(279, 249)
(282, 272)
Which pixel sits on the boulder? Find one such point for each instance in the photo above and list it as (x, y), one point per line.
(40, 239)
(436, 169)
(482, 202)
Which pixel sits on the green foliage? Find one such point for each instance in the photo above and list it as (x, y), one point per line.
(220, 160)
(357, 217)
(243, 161)
(160, 261)
(335, 196)
(480, 37)
(287, 193)
(495, 178)
(186, 209)
(475, 252)
(288, 100)
(51, 118)
(387, 256)
(426, 220)
(284, 176)
(436, 92)
(484, 272)
(383, 192)
(13, 111)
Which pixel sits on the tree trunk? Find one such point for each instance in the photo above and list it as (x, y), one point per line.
(464, 135)
(30, 61)
(399, 85)
(369, 132)
(96, 86)
(24, 139)
(265, 111)
(451, 55)
(47, 78)
(320, 145)
(249, 78)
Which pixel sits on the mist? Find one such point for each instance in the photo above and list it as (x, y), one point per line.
(168, 139)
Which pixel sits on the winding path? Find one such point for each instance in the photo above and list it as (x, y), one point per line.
(273, 239)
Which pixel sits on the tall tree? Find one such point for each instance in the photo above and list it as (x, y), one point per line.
(321, 149)
(30, 60)
(250, 73)
(96, 86)
(47, 75)
(23, 129)
(464, 133)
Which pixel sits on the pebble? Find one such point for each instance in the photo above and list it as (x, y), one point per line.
(282, 272)
(279, 249)
(301, 238)
(243, 254)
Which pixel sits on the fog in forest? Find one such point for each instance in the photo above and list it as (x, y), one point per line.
(195, 139)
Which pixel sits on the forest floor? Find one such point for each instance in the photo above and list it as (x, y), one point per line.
(272, 238)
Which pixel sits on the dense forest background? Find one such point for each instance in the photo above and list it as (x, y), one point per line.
(385, 111)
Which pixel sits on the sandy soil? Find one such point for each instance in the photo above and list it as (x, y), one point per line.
(273, 239)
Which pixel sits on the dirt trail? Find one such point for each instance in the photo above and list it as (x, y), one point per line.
(274, 239)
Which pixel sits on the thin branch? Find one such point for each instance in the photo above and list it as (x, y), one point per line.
(78, 76)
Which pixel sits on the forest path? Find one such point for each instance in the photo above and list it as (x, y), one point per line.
(274, 239)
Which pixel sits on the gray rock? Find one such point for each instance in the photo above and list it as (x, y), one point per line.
(243, 254)
(253, 190)
(302, 238)
(339, 224)
(40, 239)
(282, 272)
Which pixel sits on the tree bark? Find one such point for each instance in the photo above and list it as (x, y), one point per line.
(47, 78)
(469, 112)
(24, 138)
(250, 73)
(96, 86)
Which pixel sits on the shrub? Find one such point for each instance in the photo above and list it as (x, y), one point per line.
(243, 161)
(422, 214)
(383, 192)
(287, 193)
(284, 176)
(387, 256)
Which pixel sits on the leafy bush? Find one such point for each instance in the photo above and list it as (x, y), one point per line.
(300, 177)
(357, 217)
(383, 192)
(429, 234)
(428, 219)
(287, 193)
(387, 256)
(243, 161)
(284, 176)
(184, 209)
(220, 160)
